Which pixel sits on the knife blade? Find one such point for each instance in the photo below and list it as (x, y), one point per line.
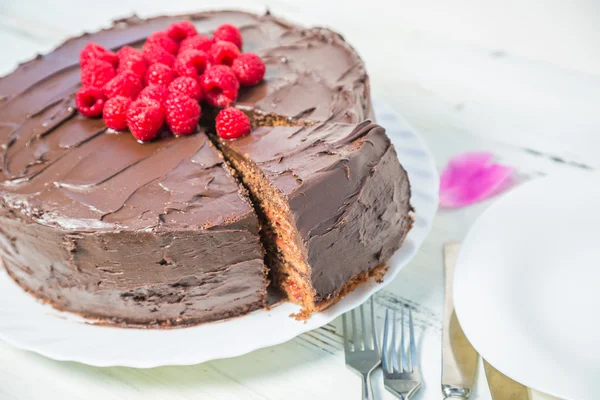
(502, 387)
(459, 358)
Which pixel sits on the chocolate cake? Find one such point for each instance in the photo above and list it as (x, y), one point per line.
(177, 231)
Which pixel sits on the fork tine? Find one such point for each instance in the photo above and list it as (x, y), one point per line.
(373, 326)
(345, 326)
(396, 367)
(413, 347)
(403, 358)
(363, 325)
(384, 344)
(354, 332)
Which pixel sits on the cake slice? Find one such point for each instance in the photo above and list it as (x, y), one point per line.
(333, 201)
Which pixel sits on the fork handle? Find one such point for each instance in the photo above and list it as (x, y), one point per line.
(367, 390)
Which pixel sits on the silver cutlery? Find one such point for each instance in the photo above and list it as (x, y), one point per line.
(401, 374)
(362, 355)
(459, 358)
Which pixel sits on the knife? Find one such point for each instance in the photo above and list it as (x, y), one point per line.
(502, 387)
(459, 358)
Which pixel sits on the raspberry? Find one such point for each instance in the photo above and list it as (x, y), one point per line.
(145, 117)
(126, 84)
(232, 123)
(224, 52)
(97, 73)
(154, 92)
(219, 85)
(90, 101)
(126, 51)
(181, 30)
(186, 86)
(191, 63)
(198, 42)
(249, 69)
(115, 113)
(160, 74)
(162, 39)
(183, 114)
(132, 60)
(154, 54)
(93, 51)
(228, 33)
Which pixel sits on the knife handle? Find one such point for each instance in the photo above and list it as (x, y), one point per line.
(455, 392)
(459, 359)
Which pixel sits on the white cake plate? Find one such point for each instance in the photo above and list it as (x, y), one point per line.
(28, 324)
(526, 285)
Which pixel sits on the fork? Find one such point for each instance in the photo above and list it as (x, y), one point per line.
(362, 356)
(401, 374)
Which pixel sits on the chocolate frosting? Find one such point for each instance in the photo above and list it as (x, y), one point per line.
(161, 234)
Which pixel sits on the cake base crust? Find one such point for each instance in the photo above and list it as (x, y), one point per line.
(377, 273)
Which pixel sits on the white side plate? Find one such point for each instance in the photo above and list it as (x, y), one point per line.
(527, 285)
(30, 325)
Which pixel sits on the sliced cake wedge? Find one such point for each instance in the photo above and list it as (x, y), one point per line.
(334, 203)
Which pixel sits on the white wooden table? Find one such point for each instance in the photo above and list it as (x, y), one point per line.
(520, 79)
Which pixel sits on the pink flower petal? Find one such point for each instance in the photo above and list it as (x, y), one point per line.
(472, 177)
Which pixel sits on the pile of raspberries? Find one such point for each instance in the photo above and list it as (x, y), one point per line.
(176, 70)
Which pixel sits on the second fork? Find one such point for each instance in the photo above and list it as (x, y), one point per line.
(401, 374)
